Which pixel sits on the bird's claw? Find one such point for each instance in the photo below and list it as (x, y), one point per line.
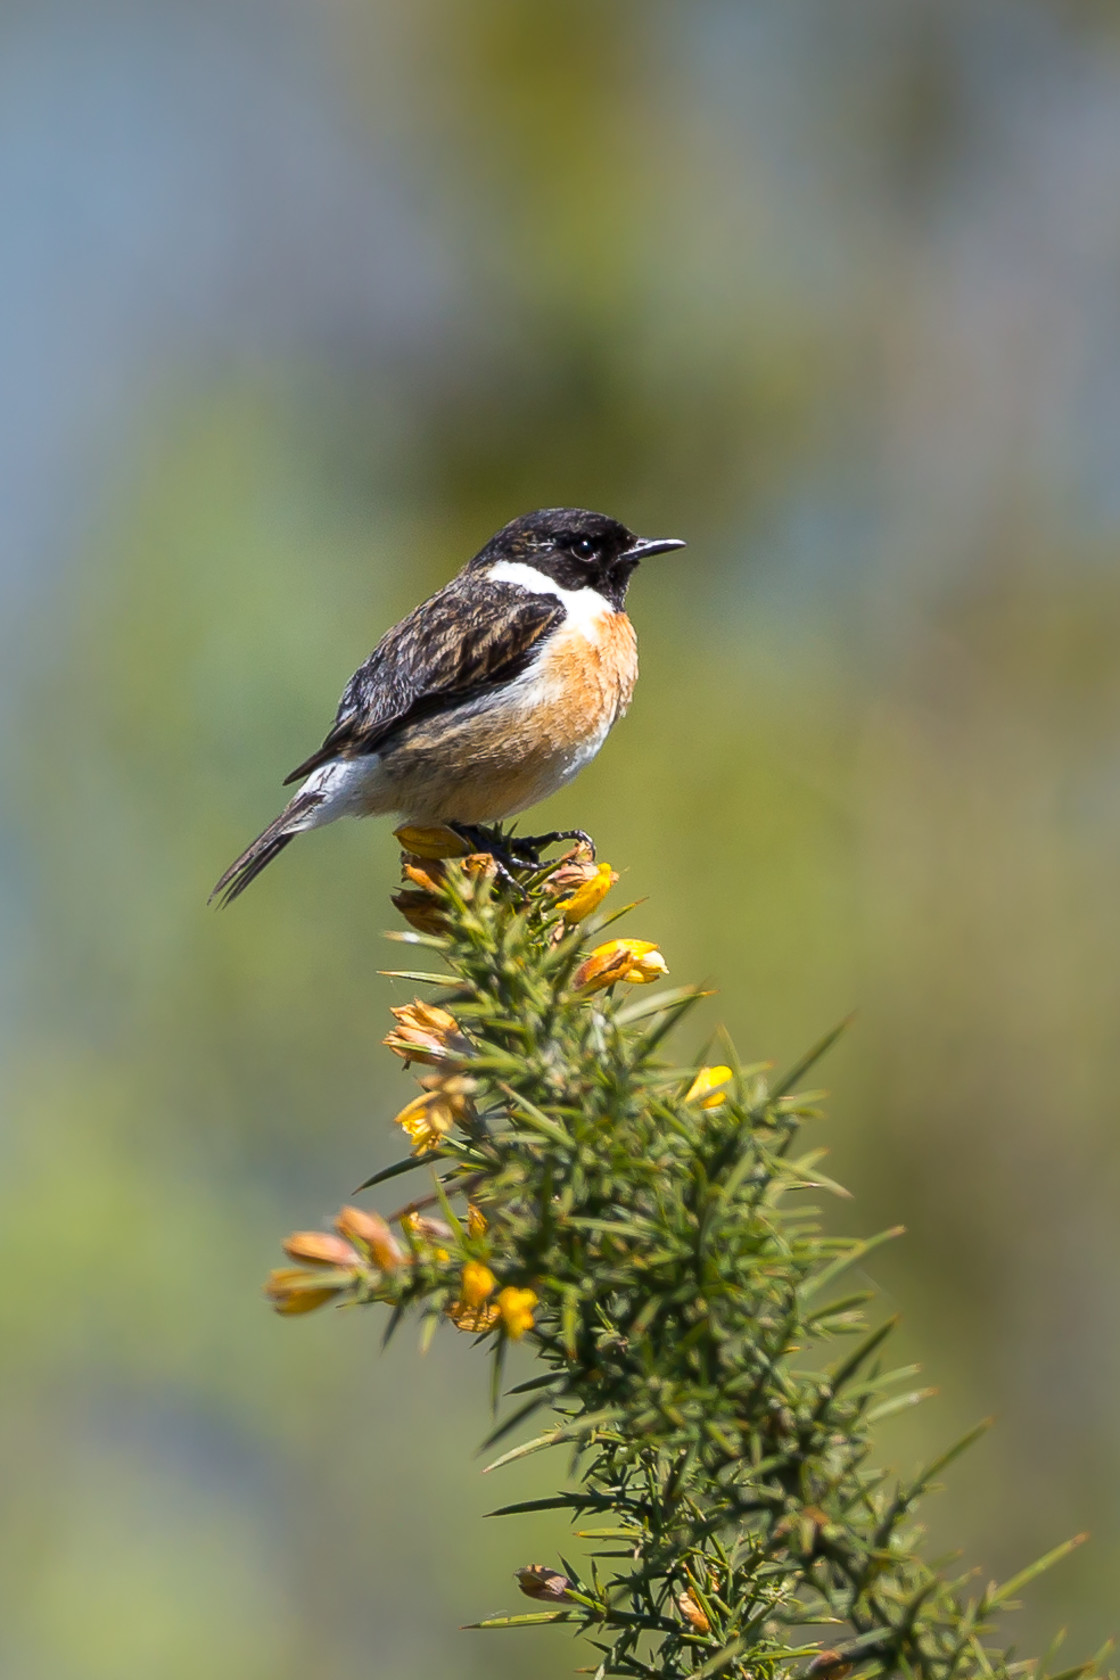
(515, 851)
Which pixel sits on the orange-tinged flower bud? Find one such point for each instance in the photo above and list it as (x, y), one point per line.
(516, 1307)
(604, 967)
(476, 1220)
(830, 1665)
(693, 1612)
(537, 1580)
(429, 878)
(425, 1033)
(293, 1290)
(432, 843)
(635, 960)
(320, 1248)
(420, 911)
(474, 1320)
(708, 1088)
(371, 1231)
(476, 1283)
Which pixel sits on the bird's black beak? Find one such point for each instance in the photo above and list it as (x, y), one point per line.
(642, 547)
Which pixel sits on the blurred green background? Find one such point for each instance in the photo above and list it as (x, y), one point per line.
(301, 299)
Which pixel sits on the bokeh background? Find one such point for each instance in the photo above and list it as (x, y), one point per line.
(300, 299)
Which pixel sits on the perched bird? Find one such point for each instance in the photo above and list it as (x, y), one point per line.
(486, 698)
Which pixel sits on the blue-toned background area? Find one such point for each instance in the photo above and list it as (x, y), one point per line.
(299, 300)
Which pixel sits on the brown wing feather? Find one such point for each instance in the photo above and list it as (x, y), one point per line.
(469, 637)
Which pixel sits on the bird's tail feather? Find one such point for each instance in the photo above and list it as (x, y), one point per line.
(268, 844)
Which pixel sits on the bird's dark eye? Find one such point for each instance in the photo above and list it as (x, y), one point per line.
(584, 549)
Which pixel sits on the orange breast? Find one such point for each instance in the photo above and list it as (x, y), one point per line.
(508, 750)
(587, 677)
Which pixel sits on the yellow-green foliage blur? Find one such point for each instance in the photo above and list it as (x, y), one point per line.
(323, 294)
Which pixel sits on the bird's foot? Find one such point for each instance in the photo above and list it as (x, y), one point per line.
(496, 845)
(515, 851)
(530, 846)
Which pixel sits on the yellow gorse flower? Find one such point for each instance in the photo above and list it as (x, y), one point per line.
(476, 1283)
(516, 1307)
(428, 1118)
(476, 1220)
(581, 886)
(709, 1086)
(637, 961)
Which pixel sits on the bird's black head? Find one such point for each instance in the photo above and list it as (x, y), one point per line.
(575, 548)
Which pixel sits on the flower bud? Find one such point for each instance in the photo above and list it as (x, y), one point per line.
(425, 1033)
(476, 1220)
(429, 878)
(371, 1231)
(537, 1580)
(830, 1665)
(516, 1307)
(476, 1283)
(420, 911)
(693, 1612)
(635, 960)
(708, 1088)
(293, 1290)
(432, 843)
(319, 1248)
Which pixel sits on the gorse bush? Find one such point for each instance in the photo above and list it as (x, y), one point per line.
(705, 1362)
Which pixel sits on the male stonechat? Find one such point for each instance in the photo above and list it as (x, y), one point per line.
(488, 697)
